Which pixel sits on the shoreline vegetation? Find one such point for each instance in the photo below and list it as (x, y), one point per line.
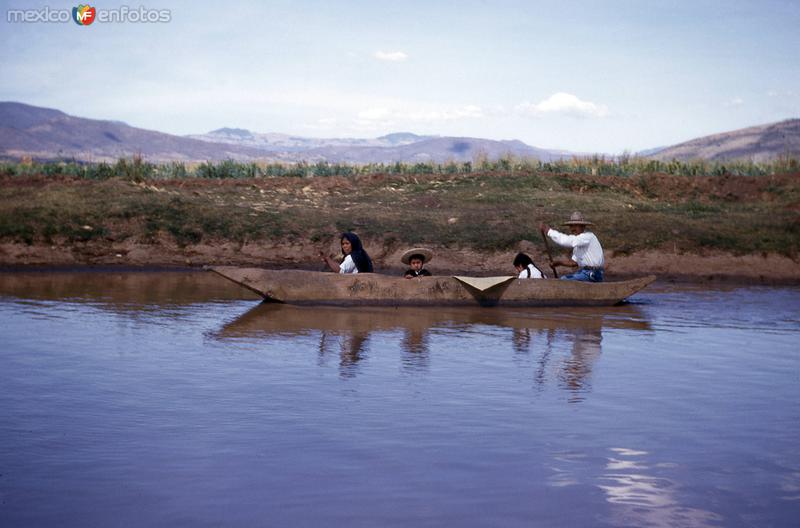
(696, 220)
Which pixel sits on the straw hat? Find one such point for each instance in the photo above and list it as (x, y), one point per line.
(577, 218)
(427, 254)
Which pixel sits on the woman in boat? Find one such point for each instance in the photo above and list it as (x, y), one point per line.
(416, 258)
(356, 260)
(526, 268)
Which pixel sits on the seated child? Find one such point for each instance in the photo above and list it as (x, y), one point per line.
(416, 258)
(526, 268)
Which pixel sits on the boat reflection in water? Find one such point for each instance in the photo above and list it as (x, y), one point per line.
(534, 335)
(351, 348)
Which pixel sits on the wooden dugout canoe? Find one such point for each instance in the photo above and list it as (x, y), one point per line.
(313, 287)
(284, 319)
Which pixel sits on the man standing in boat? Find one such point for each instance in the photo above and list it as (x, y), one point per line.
(587, 254)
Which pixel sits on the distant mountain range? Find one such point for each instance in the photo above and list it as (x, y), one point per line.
(400, 146)
(47, 134)
(272, 142)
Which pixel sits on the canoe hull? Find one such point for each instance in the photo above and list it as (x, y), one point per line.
(311, 287)
(285, 319)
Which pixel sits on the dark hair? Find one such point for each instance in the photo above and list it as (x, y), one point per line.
(417, 256)
(522, 260)
(360, 258)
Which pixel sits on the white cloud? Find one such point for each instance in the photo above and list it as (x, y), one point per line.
(446, 114)
(735, 101)
(564, 104)
(391, 56)
(323, 123)
(419, 114)
(285, 109)
(374, 114)
(366, 125)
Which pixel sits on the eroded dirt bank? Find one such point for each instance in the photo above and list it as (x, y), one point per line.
(708, 266)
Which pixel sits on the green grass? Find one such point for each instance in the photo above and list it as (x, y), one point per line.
(404, 204)
(137, 169)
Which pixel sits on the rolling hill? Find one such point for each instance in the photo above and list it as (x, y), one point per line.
(758, 143)
(47, 134)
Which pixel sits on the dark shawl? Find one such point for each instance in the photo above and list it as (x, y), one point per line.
(360, 258)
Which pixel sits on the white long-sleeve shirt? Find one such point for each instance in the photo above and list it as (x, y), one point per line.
(586, 249)
(348, 266)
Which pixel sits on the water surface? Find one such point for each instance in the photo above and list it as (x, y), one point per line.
(176, 399)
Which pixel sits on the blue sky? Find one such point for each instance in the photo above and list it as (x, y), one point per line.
(602, 76)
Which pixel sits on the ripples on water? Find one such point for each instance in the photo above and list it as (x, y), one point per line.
(174, 399)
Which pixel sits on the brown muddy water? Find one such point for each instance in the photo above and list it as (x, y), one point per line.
(176, 399)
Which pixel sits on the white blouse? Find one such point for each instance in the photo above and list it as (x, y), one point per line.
(348, 266)
(531, 272)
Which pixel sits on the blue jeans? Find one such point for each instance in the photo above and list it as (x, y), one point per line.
(585, 275)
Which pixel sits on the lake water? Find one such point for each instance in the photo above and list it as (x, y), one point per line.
(176, 399)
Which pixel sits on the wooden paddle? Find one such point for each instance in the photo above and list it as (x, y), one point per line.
(549, 254)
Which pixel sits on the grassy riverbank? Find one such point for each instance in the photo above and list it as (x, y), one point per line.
(741, 210)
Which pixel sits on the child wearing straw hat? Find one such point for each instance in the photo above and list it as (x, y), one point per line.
(587, 254)
(416, 258)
